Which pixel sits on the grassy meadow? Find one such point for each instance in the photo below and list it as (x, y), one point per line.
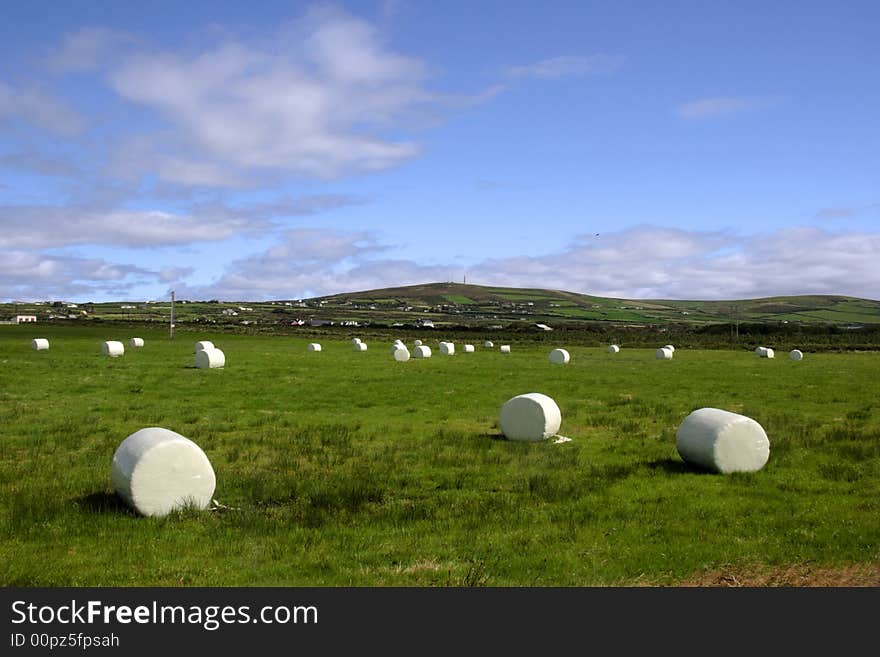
(342, 468)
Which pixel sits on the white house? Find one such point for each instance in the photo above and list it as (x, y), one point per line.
(25, 319)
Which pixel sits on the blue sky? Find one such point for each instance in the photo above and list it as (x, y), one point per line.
(274, 150)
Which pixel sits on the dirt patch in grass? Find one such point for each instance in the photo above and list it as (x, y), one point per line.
(863, 574)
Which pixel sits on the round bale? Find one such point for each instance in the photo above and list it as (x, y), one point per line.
(670, 347)
(447, 348)
(488, 344)
(418, 343)
(559, 356)
(210, 358)
(39, 344)
(796, 354)
(156, 471)
(769, 353)
(613, 349)
(360, 346)
(136, 342)
(204, 344)
(422, 351)
(314, 346)
(533, 416)
(401, 354)
(722, 441)
(468, 348)
(760, 351)
(112, 348)
(663, 353)
(505, 349)
(355, 340)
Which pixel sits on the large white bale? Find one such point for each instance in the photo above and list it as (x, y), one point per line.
(136, 342)
(210, 359)
(401, 354)
(663, 353)
(670, 347)
(769, 353)
(722, 441)
(156, 471)
(39, 344)
(796, 354)
(559, 356)
(505, 349)
(355, 340)
(314, 346)
(112, 348)
(447, 348)
(760, 351)
(360, 346)
(533, 416)
(204, 344)
(418, 343)
(422, 351)
(488, 344)
(468, 348)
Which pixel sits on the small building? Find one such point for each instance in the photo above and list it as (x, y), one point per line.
(25, 319)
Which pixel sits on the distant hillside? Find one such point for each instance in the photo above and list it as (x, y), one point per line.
(482, 303)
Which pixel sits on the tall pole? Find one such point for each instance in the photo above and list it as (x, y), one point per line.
(172, 315)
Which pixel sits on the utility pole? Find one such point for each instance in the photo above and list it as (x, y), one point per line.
(171, 334)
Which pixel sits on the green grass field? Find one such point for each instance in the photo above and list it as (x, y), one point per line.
(342, 468)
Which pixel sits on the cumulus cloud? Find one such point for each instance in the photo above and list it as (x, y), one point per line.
(319, 100)
(87, 49)
(41, 227)
(640, 263)
(708, 108)
(35, 106)
(568, 66)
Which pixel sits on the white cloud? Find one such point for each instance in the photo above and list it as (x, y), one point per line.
(707, 108)
(39, 108)
(88, 49)
(45, 165)
(568, 66)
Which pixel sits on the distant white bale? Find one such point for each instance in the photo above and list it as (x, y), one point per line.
(422, 351)
(401, 354)
(136, 342)
(760, 351)
(399, 343)
(613, 349)
(796, 354)
(39, 344)
(360, 346)
(418, 343)
(112, 348)
(210, 358)
(447, 348)
(505, 349)
(468, 348)
(722, 441)
(559, 356)
(769, 353)
(488, 344)
(156, 471)
(663, 353)
(533, 416)
(204, 344)
(670, 347)
(314, 346)
(764, 352)
(355, 340)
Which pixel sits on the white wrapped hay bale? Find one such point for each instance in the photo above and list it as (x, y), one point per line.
(488, 344)
(355, 340)
(663, 353)
(796, 354)
(418, 343)
(722, 441)
(670, 347)
(39, 344)
(533, 416)
(401, 354)
(112, 348)
(203, 345)
(447, 348)
(156, 471)
(559, 356)
(136, 342)
(505, 349)
(769, 353)
(613, 349)
(210, 359)
(360, 346)
(314, 346)
(761, 351)
(468, 348)
(422, 351)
